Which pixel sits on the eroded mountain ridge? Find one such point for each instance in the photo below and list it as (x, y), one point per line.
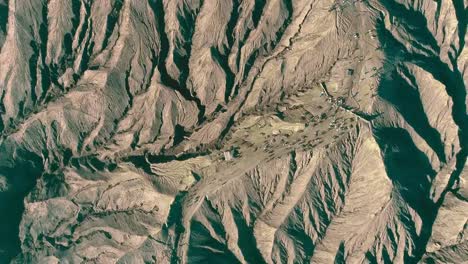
(170, 131)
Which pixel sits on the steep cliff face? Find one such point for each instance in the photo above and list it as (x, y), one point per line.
(171, 131)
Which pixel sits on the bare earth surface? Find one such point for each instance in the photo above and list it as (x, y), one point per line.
(233, 131)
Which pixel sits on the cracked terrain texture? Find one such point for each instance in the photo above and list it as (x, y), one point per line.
(233, 131)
